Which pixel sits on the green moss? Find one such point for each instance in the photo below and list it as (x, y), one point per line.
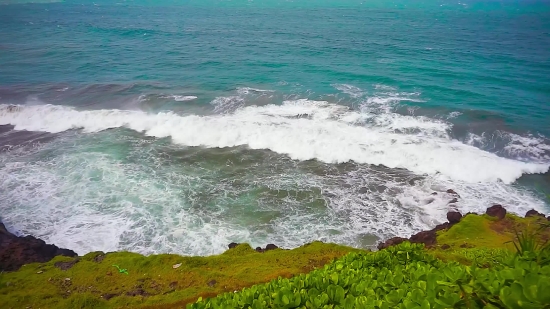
(93, 281)
(482, 231)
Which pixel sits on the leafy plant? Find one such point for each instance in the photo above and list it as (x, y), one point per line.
(530, 246)
(404, 276)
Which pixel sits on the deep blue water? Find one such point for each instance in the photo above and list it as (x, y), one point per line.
(267, 121)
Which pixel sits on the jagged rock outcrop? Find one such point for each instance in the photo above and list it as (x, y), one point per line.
(425, 237)
(454, 217)
(496, 211)
(429, 238)
(533, 213)
(258, 249)
(17, 251)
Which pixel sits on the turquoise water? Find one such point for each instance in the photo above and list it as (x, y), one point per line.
(182, 126)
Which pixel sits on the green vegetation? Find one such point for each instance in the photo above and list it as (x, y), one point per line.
(476, 270)
(153, 282)
(405, 276)
(480, 262)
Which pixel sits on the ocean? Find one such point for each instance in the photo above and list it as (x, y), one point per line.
(183, 126)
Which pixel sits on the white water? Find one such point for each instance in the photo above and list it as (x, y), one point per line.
(82, 191)
(301, 129)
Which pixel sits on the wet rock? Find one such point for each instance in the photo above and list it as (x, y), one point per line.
(17, 251)
(426, 237)
(445, 247)
(442, 226)
(534, 213)
(496, 211)
(271, 247)
(212, 283)
(451, 191)
(454, 217)
(66, 265)
(453, 201)
(434, 193)
(391, 242)
(259, 249)
(233, 245)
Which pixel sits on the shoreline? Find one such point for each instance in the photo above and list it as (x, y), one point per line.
(16, 251)
(126, 279)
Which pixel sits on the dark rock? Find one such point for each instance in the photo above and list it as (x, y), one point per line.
(453, 201)
(259, 249)
(66, 265)
(173, 285)
(425, 237)
(233, 245)
(137, 292)
(271, 247)
(428, 238)
(445, 247)
(496, 211)
(548, 218)
(108, 296)
(3, 230)
(17, 251)
(442, 226)
(434, 193)
(454, 217)
(533, 213)
(451, 191)
(212, 283)
(391, 242)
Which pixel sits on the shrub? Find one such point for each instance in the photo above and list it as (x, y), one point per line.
(405, 276)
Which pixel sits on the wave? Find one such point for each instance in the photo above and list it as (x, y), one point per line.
(180, 98)
(301, 129)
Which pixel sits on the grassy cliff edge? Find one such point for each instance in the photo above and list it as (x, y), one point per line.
(130, 280)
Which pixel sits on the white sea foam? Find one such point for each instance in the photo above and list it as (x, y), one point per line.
(227, 104)
(301, 129)
(181, 98)
(113, 191)
(453, 115)
(528, 147)
(249, 90)
(352, 91)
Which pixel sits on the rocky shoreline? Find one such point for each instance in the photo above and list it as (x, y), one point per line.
(16, 251)
(429, 238)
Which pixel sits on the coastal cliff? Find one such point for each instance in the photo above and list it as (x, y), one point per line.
(17, 251)
(58, 278)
